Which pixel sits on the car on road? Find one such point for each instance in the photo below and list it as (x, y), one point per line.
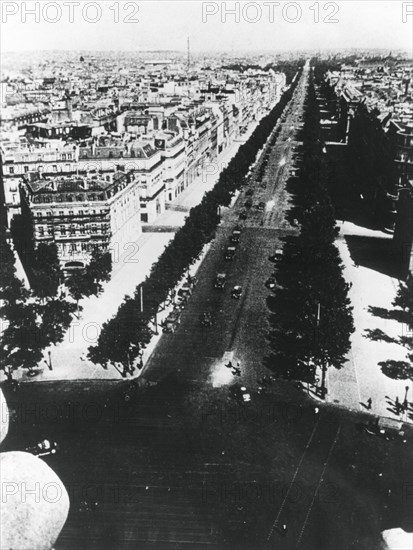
(172, 322)
(236, 394)
(386, 428)
(43, 448)
(220, 281)
(206, 320)
(192, 281)
(236, 234)
(236, 292)
(230, 253)
(271, 283)
(183, 295)
(276, 256)
(32, 373)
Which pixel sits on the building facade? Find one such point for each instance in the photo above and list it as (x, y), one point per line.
(80, 214)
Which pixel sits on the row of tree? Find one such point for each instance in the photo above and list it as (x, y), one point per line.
(123, 338)
(35, 319)
(311, 319)
(30, 324)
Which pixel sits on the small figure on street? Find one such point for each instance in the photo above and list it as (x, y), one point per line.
(369, 403)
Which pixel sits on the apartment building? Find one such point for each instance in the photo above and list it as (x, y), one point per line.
(80, 213)
(48, 157)
(106, 155)
(172, 148)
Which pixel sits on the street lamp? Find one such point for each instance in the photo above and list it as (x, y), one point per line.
(405, 398)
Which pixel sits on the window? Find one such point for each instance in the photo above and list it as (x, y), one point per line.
(63, 156)
(41, 231)
(54, 167)
(72, 230)
(94, 228)
(11, 170)
(26, 169)
(61, 213)
(71, 212)
(80, 212)
(63, 230)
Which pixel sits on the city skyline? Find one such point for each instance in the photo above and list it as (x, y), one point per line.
(249, 26)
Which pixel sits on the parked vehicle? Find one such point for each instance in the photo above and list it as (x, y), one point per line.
(271, 283)
(33, 372)
(192, 281)
(277, 256)
(183, 295)
(220, 281)
(387, 428)
(172, 322)
(230, 253)
(236, 292)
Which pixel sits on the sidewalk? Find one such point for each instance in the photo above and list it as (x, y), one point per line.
(69, 357)
(361, 377)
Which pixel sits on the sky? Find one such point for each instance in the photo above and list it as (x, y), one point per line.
(210, 26)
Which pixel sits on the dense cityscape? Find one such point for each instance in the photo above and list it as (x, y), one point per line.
(206, 299)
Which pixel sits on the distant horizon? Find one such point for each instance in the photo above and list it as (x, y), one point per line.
(219, 52)
(253, 27)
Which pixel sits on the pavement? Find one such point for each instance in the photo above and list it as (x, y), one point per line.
(361, 377)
